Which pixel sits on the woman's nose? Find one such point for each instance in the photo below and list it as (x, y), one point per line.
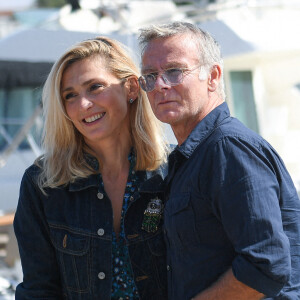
(85, 102)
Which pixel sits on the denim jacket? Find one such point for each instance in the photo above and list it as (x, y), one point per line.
(65, 240)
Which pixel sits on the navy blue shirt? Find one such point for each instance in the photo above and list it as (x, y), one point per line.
(231, 204)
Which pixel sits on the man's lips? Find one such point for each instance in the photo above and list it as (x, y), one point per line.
(165, 102)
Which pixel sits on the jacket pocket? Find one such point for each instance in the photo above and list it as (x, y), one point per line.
(73, 257)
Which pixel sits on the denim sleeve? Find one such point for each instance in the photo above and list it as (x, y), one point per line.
(40, 271)
(246, 200)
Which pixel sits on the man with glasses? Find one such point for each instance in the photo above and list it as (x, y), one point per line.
(232, 212)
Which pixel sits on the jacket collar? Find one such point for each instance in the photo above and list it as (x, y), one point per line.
(151, 181)
(203, 129)
(154, 180)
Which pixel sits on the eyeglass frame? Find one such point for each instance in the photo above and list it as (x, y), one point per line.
(184, 72)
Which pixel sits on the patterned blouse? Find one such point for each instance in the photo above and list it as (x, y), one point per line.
(123, 285)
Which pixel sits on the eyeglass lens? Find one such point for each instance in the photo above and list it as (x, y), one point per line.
(170, 77)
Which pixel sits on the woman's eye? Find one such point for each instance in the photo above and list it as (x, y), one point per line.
(69, 96)
(95, 87)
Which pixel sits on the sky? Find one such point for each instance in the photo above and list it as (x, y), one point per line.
(7, 5)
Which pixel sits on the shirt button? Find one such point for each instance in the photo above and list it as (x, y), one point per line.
(101, 275)
(131, 198)
(100, 195)
(100, 231)
(168, 268)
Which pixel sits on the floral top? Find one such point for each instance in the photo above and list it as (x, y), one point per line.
(123, 285)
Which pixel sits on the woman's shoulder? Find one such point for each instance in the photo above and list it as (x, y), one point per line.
(34, 170)
(32, 174)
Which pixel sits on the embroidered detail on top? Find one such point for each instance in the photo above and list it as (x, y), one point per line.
(152, 215)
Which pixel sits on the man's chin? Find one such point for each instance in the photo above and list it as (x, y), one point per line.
(168, 118)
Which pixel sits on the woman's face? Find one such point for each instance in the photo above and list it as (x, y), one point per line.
(95, 100)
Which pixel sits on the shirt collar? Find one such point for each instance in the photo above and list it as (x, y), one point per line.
(152, 181)
(203, 129)
(92, 161)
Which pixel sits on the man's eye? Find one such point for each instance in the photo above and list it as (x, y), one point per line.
(173, 72)
(150, 76)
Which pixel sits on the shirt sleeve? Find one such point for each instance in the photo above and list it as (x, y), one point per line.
(41, 278)
(247, 201)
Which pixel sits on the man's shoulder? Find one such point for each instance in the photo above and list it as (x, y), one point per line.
(234, 130)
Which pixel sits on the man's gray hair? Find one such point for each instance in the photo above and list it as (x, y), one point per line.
(209, 49)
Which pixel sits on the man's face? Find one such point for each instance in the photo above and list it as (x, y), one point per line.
(182, 105)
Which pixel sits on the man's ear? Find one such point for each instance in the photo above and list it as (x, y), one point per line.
(132, 86)
(214, 78)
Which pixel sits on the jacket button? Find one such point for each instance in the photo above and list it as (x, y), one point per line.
(101, 275)
(100, 195)
(168, 268)
(100, 231)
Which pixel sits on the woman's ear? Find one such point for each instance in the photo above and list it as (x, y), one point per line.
(214, 78)
(132, 86)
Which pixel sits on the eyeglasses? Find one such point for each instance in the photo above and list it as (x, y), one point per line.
(170, 77)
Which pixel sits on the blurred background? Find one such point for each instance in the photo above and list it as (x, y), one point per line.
(259, 40)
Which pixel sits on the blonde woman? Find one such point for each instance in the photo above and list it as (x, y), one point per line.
(88, 221)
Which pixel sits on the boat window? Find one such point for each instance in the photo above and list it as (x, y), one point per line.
(16, 107)
(243, 98)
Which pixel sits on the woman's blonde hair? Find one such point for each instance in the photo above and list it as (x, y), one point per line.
(64, 146)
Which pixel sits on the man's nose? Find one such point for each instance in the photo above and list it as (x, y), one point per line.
(161, 83)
